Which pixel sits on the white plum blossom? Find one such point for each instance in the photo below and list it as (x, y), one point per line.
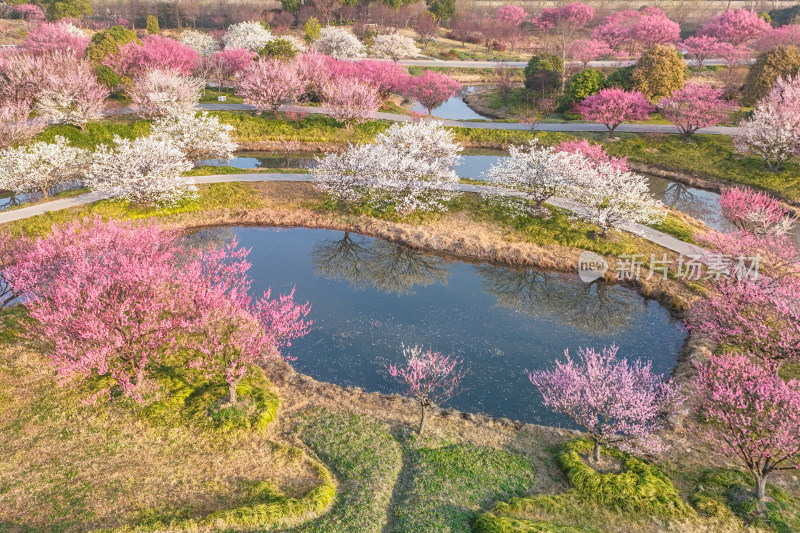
(200, 42)
(198, 136)
(250, 35)
(773, 130)
(609, 197)
(40, 166)
(394, 46)
(164, 92)
(146, 170)
(338, 42)
(534, 173)
(410, 168)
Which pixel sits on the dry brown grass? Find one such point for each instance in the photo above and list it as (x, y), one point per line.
(83, 467)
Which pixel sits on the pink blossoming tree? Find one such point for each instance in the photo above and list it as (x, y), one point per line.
(431, 89)
(735, 26)
(431, 377)
(351, 101)
(750, 413)
(269, 83)
(788, 35)
(72, 96)
(15, 126)
(593, 152)
(57, 36)
(612, 107)
(700, 47)
(562, 25)
(514, 15)
(585, 50)
(154, 52)
(653, 27)
(755, 211)
(617, 402)
(696, 106)
(108, 299)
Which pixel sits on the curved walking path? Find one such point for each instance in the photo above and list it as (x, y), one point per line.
(662, 239)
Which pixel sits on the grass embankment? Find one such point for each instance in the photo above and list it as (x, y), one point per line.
(179, 460)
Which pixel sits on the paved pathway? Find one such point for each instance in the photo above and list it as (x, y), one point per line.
(522, 64)
(483, 125)
(667, 241)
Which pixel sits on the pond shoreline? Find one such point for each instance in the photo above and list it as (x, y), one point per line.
(461, 241)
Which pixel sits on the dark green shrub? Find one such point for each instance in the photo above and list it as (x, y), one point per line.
(107, 77)
(152, 24)
(108, 42)
(543, 62)
(279, 49)
(779, 62)
(543, 81)
(585, 83)
(785, 15)
(622, 78)
(659, 71)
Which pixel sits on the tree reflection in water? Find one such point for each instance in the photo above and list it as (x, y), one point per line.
(595, 308)
(385, 266)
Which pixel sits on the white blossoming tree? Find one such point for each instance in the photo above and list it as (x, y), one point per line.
(534, 174)
(72, 96)
(773, 131)
(408, 168)
(338, 42)
(147, 170)
(197, 136)
(250, 35)
(200, 42)
(394, 46)
(609, 197)
(164, 92)
(41, 166)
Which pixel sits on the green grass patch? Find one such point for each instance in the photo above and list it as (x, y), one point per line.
(214, 196)
(446, 487)
(210, 97)
(212, 170)
(366, 460)
(97, 133)
(722, 493)
(709, 155)
(312, 128)
(678, 228)
(491, 523)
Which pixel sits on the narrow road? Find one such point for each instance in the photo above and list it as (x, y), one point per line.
(662, 239)
(522, 64)
(481, 125)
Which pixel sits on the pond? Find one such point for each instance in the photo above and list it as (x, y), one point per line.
(369, 296)
(454, 108)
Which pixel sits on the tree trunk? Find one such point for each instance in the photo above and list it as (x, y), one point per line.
(422, 419)
(596, 452)
(232, 392)
(139, 379)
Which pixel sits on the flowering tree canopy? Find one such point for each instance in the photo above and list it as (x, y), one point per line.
(584, 50)
(351, 101)
(431, 377)
(562, 25)
(160, 93)
(409, 167)
(72, 96)
(58, 36)
(772, 132)
(394, 46)
(200, 42)
(268, 83)
(40, 166)
(735, 26)
(593, 152)
(755, 211)
(155, 52)
(751, 414)
(250, 35)
(700, 47)
(15, 126)
(653, 27)
(696, 106)
(612, 107)
(534, 173)
(197, 135)
(788, 35)
(431, 89)
(514, 15)
(338, 42)
(108, 299)
(147, 170)
(617, 402)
